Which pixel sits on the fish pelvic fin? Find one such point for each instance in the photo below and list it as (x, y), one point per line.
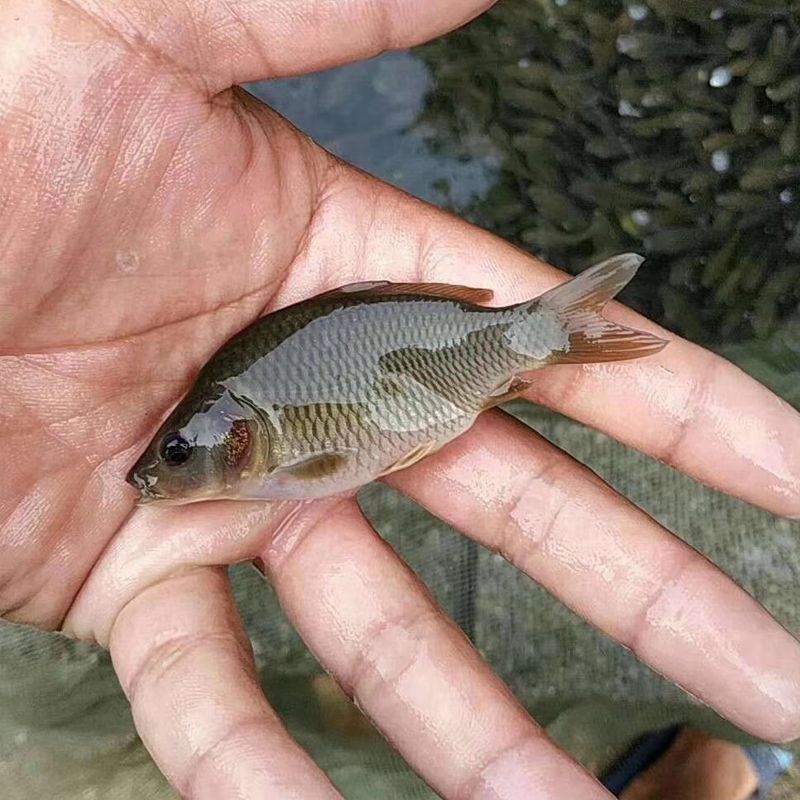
(590, 337)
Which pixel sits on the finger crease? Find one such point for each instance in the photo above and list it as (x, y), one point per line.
(509, 544)
(475, 784)
(166, 655)
(640, 627)
(378, 639)
(193, 772)
(670, 453)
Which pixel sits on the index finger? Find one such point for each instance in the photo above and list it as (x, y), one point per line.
(235, 41)
(685, 406)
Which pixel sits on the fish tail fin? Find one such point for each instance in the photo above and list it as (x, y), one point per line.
(578, 303)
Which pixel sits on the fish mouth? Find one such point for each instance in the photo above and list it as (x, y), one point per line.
(146, 498)
(145, 485)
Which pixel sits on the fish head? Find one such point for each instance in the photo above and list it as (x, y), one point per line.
(203, 451)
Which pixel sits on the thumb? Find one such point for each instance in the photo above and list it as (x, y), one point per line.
(225, 42)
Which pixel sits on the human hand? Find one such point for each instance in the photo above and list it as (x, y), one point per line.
(149, 211)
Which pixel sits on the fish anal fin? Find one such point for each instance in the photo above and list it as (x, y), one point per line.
(314, 466)
(507, 390)
(412, 457)
(467, 294)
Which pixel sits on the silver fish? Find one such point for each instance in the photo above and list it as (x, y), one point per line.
(326, 395)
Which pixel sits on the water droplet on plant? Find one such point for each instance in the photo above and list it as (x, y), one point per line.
(721, 76)
(721, 160)
(627, 109)
(638, 11)
(625, 43)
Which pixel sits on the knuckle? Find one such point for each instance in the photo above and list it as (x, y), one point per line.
(476, 783)
(391, 648)
(165, 656)
(638, 634)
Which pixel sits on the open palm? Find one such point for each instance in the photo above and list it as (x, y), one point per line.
(147, 212)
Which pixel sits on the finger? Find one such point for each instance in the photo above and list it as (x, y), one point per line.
(685, 406)
(518, 495)
(362, 612)
(156, 543)
(185, 663)
(367, 618)
(694, 411)
(235, 41)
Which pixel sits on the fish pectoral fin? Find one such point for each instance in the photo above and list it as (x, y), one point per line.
(507, 390)
(313, 466)
(468, 294)
(410, 458)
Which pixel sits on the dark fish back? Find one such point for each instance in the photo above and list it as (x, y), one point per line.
(332, 350)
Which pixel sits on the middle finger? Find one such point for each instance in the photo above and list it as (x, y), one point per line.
(371, 623)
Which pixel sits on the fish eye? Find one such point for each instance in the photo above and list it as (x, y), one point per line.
(175, 450)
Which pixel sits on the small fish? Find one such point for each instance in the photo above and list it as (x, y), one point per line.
(324, 396)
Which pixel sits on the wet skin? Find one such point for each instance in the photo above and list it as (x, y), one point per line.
(148, 212)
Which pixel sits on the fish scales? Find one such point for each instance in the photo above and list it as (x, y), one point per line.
(423, 351)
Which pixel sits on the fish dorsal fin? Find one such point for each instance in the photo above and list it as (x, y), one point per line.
(469, 294)
(355, 288)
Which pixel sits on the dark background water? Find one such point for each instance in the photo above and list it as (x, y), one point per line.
(579, 128)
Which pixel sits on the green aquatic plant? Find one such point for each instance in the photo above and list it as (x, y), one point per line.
(671, 127)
